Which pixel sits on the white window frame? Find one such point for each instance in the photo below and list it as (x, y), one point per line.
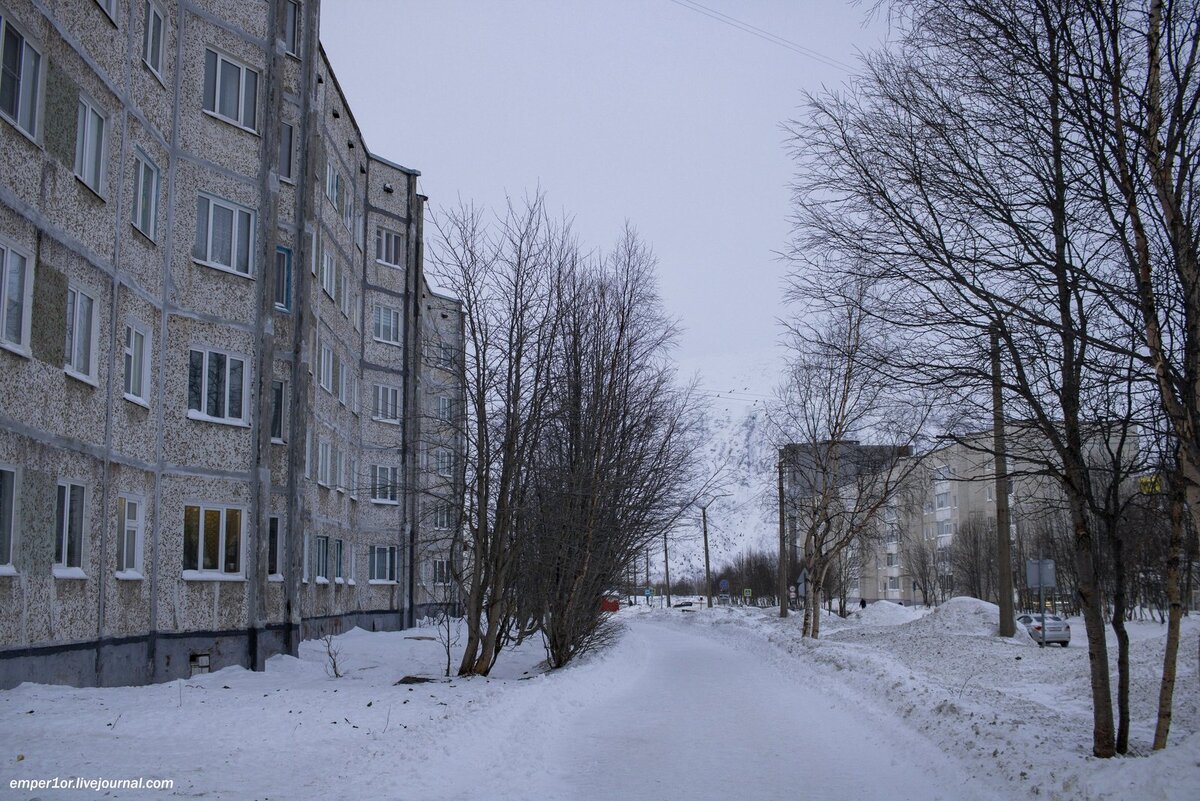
(242, 216)
(442, 567)
(10, 518)
(287, 153)
(324, 463)
(352, 477)
(109, 7)
(444, 462)
(27, 100)
(292, 23)
(133, 375)
(321, 558)
(125, 529)
(390, 495)
(389, 243)
(200, 573)
(284, 279)
(202, 414)
(217, 62)
(443, 516)
(445, 409)
(385, 399)
(9, 255)
(343, 298)
(391, 315)
(70, 566)
(148, 44)
(325, 367)
(85, 373)
(275, 530)
(339, 561)
(145, 219)
(279, 406)
(329, 271)
(91, 144)
(391, 569)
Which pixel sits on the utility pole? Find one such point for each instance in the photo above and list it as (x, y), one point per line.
(707, 576)
(1008, 625)
(783, 555)
(667, 570)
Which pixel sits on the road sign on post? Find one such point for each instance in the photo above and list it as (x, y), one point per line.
(746, 592)
(1039, 574)
(724, 585)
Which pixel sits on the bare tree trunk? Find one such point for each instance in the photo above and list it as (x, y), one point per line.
(1166, 692)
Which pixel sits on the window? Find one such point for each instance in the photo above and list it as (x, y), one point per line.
(130, 514)
(274, 548)
(383, 483)
(145, 194)
(321, 559)
(348, 208)
(352, 477)
(329, 274)
(339, 548)
(893, 582)
(68, 528)
(443, 516)
(82, 332)
(8, 516)
(942, 473)
(216, 386)
(441, 572)
(333, 185)
(891, 560)
(90, 125)
(989, 492)
(212, 541)
(325, 368)
(446, 356)
(224, 235)
(350, 564)
(445, 462)
(941, 500)
(152, 38)
(278, 397)
(343, 382)
(344, 291)
(291, 27)
(389, 248)
(110, 8)
(16, 297)
(324, 464)
(137, 366)
(386, 404)
(445, 409)
(283, 279)
(387, 325)
(286, 133)
(20, 78)
(383, 563)
(230, 90)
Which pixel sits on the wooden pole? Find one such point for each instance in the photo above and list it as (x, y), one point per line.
(707, 575)
(1008, 625)
(783, 554)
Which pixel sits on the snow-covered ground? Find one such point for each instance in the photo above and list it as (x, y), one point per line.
(891, 703)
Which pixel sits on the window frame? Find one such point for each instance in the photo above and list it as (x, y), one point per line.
(142, 163)
(390, 553)
(382, 250)
(12, 524)
(442, 567)
(378, 393)
(283, 287)
(321, 558)
(153, 9)
(218, 60)
(199, 572)
(70, 566)
(28, 102)
(202, 414)
(279, 404)
(238, 212)
(126, 571)
(74, 291)
(132, 329)
(392, 498)
(287, 149)
(339, 560)
(8, 252)
(292, 28)
(275, 531)
(395, 324)
(109, 7)
(86, 148)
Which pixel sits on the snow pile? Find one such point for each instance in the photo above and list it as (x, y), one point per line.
(961, 616)
(886, 613)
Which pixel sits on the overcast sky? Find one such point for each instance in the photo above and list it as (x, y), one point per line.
(640, 110)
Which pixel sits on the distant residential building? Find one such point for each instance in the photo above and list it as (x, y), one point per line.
(216, 397)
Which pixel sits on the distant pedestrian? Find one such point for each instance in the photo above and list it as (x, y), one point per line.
(862, 603)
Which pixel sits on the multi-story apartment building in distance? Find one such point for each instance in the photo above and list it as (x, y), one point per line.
(228, 398)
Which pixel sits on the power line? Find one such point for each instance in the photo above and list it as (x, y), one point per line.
(775, 39)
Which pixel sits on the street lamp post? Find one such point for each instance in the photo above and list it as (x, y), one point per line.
(704, 527)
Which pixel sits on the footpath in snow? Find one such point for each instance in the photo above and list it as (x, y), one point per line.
(711, 704)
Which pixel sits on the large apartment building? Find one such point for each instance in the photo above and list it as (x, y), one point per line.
(228, 398)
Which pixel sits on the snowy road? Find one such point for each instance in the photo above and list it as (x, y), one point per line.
(702, 717)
